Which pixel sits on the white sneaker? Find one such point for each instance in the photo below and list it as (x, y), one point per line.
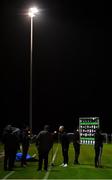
(65, 165)
(62, 164)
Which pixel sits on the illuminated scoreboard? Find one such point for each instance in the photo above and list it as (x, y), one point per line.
(87, 128)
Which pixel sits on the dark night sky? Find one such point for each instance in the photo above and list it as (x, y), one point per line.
(71, 62)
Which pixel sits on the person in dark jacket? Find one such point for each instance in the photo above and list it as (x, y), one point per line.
(25, 140)
(65, 145)
(98, 147)
(11, 145)
(76, 144)
(44, 142)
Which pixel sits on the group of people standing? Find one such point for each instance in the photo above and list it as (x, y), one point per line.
(65, 145)
(44, 142)
(98, 146)
(12, 137)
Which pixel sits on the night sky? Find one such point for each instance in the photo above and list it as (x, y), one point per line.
(71, 63)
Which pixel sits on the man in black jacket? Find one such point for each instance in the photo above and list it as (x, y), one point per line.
(76, 144)
(65, 145)
(98, 147)
(11, 145)
(44, 142)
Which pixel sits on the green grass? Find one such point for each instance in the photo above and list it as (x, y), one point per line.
(85, 170)
(1, 148)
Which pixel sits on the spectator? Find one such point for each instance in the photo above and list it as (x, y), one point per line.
(65, 145)
(11, 145)
(44, 142)
(76, 144)
(98, 147)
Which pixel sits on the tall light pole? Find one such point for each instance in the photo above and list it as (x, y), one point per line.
(32, 13)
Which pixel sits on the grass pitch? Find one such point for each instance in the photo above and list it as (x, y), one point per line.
(85, 170)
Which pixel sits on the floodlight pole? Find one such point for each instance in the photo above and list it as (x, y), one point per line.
(32, 13)
(31, 58)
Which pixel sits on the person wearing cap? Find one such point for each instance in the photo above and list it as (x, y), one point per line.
(44, 142)
(65, 145)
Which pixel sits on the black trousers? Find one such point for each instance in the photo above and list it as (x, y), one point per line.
(25, 151)
(9, 158)
(77, 152)
(65, 154)
(98, 152)
(43, 156)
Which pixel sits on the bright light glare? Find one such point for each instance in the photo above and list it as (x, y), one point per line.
(33, 11)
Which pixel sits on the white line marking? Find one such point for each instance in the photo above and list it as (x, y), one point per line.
(9, 174)
(53, 159)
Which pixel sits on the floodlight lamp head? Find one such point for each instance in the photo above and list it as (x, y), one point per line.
(33, 11)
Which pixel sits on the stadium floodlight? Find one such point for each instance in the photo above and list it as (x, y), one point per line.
(33, 11)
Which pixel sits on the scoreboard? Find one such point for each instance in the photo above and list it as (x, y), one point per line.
(87, 129)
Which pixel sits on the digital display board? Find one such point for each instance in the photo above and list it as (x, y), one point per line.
(87, 129)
